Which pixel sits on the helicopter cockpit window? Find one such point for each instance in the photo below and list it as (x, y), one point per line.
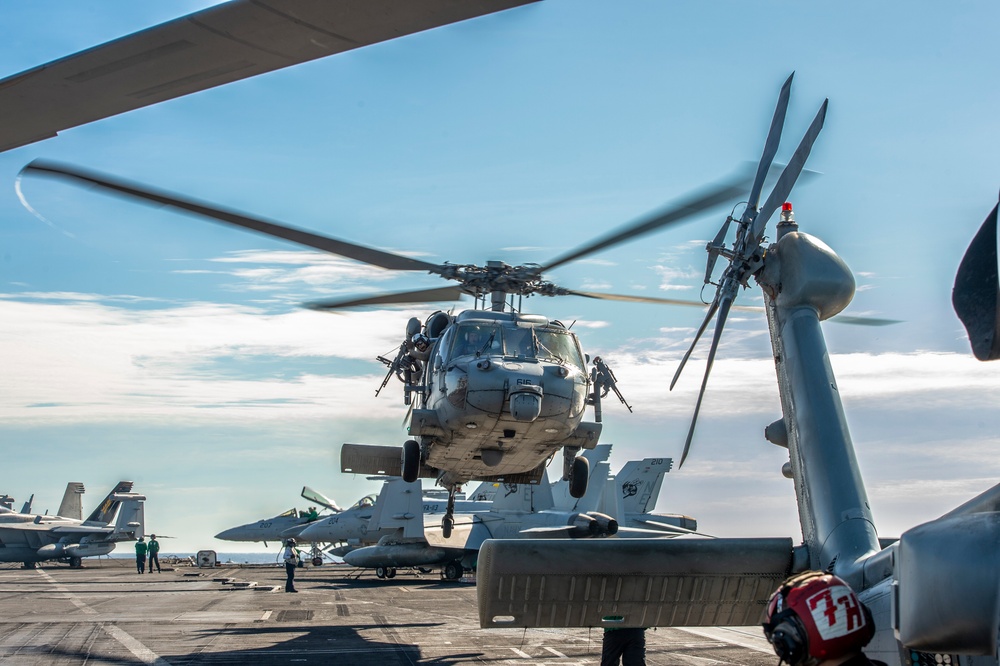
(558, 346)
(471, 339)
(518, 342)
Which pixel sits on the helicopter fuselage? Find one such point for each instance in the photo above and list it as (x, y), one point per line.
(502, 393)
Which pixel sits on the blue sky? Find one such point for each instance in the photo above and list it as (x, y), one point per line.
(141, 344)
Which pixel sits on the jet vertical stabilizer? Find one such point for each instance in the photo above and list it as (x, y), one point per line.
(399, 505)
(26, 507)
(131, 523)
(72, 501)
(523, 497)
(105, 511)
(639, 481)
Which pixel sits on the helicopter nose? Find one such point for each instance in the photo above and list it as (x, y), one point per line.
(525, 406)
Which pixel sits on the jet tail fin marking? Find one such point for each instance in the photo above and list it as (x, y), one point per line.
(639, 483)
(105, 511)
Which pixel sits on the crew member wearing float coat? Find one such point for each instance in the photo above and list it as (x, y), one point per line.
(154, 553)
(291, 559)
(140, 555)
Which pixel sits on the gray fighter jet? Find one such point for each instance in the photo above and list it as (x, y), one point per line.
(520, 511)
(31, 538)
(273, 529)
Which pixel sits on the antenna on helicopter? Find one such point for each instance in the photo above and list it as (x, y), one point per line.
(746, 256)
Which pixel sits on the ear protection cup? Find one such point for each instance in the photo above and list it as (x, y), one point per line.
(790, 641)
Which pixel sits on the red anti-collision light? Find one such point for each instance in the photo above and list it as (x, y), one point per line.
(786, 206)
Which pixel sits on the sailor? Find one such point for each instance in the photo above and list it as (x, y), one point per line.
(140, 555)
(816, 619)
(154, 553)
(291, 559)
(625, 646)
(312, 515)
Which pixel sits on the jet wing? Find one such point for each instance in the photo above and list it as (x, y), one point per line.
(637, 583)
(221, 44)
(81, 529)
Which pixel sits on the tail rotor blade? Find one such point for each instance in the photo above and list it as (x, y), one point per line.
(701, 330)
(788, 177)
(719, 325)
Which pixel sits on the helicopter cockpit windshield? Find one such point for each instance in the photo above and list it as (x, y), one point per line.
(509, 340)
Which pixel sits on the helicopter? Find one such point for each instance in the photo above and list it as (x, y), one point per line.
(493, 392)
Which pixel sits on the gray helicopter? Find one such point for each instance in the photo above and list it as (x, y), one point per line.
(494, 393)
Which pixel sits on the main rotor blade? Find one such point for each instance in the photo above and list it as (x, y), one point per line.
(146, 195)
(421, 296)
(788, 177)
(693, 204)
(701, 329)
(634, 299)
(719, 325)
(771, 145)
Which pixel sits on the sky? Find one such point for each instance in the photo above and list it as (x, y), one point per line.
(141, 344)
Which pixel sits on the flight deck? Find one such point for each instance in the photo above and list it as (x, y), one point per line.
(106, 613)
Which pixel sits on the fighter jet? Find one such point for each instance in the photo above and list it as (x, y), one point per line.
(518, 512)
(29, 538)
(354, 528)
(272, 529)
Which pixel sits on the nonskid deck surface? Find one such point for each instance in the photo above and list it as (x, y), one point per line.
(106, 613)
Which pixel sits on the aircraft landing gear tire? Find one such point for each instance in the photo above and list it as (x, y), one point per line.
(75, 562)
(447, 525)
(380, 572)
(578, 477)
(391, 573)
(411, 460)
(452, 571)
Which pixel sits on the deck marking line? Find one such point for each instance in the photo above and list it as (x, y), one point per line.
(556, 652)
(520, 653)
(141, 652)
(266, 615)
(718, 636)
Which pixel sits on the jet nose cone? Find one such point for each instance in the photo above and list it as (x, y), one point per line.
(228, 535)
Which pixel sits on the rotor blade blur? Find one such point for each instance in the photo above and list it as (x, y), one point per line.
(863, 321)
(149, 195)
(771, 145)
(720, 323)
(693, 204)
(421, 296)
(701, 330)
(636, 299)
(788, 177)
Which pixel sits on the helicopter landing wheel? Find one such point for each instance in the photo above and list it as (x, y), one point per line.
(447, 524)
(452, 571)
(380, 572)
(411, 460)
(578, 477)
